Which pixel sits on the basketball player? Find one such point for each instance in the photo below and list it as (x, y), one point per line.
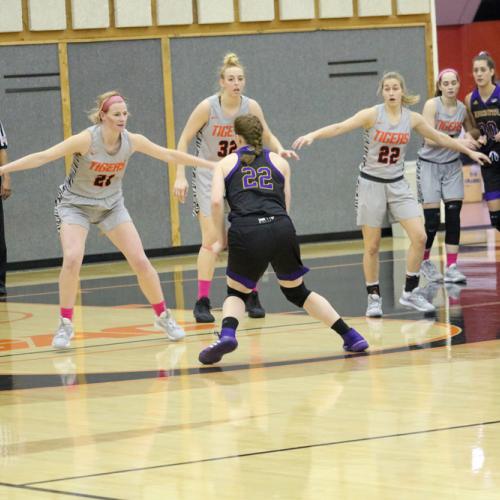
(382, 188)
(439, 174)
(256, 182)
(483, 104)
(92, 194)
(211, 123)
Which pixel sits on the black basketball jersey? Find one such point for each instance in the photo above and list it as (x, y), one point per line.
(487, 116)
(257, 188)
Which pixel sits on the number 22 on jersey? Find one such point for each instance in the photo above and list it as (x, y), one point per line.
(388, 155)
(260, 177)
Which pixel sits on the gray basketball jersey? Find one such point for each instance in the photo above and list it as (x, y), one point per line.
(385, 145)
(217, 138)
(98, 174)
(448, 124)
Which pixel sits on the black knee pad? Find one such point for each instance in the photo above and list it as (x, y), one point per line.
(297, 295)
(232, 292)
(452, 221)
(432, 219)
(495, 219)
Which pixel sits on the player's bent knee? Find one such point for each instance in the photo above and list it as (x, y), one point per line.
(296, 295)
(432, 219)
(232, 292)
(452, 222)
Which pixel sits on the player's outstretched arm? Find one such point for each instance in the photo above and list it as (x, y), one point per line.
(362, 119)
(78, 143)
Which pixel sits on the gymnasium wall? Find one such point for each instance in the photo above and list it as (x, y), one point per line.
(289, 75)
(459, 44)
(57, 55)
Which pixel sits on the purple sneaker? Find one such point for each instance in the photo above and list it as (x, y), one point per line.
(354, 341)
(213, 353)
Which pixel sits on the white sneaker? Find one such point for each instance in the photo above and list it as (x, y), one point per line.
(429, 271)
(416, 301)
(453, 275)
(374, 309)
(64, 334)
(167, 323)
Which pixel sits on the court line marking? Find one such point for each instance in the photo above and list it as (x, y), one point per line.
(57, 492)
(268, 452)
(184, 280)
(51, 380)
(465, 248)
(193, 335)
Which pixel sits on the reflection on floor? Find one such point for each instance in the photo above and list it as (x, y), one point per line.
(125, 414)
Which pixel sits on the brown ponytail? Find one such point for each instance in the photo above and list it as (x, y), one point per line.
(250, 128)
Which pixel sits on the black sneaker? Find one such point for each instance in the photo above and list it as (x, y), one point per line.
(253, 306)
(202, 312)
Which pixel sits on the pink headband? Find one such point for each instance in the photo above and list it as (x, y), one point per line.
(111, 100)
(442, 72)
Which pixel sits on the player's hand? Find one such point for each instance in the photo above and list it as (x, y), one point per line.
(497, 137)
(181, 189)
(303, 140)
(469, 142)
(289, 153)
(483, 139)
(480, 158)
(5, 192)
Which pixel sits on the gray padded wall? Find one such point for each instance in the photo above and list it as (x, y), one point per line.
(33, 122)
(135, 68)
(288, 74)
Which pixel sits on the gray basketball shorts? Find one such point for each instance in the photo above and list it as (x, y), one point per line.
(375, 200)
(106, 214)
(202, 191)
(436, 182)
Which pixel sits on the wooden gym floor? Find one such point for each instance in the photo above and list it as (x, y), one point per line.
(126, 414)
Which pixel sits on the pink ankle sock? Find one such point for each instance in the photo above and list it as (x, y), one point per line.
(67, 312)
(427, 253)
(451, 258)
(254, 289)
(159, 308)
(204, 288)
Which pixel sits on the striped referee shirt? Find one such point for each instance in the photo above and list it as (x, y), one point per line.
(3, 137)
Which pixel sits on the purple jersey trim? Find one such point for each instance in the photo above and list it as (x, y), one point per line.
(233, 170)
(492, 195)
(293, 276)
(476, 96)
(241, 279)
(267, 153)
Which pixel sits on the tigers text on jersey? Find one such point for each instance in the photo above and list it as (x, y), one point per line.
(98, 174)
(216, 139)
(487, 116)
(385, 145)
(255, 189)
(448, 124)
